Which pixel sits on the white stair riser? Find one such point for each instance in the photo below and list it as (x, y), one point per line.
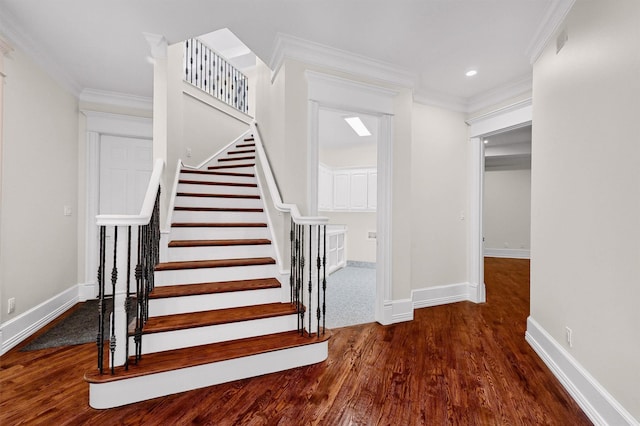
(217, 178)
(158, 342)
(248, 169)
(217, 189)
(206, 302)
(234, 161)
(212, 217)
(218, 233)
(205, 275)
(122, 392)
(186, 201)
(177, 254)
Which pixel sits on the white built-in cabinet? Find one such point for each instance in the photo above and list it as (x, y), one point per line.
(347, 189)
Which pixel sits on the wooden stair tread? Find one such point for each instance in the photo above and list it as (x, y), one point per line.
(214, 263)
(232, 166)
(215, 183)
(246, 157)
(213, 173)
(215, 317)
(219, 225)
(246, 145)
(220, 209)
(204, 195)
(190, 357)
(218, 243)
(162, 292)
(242, 151)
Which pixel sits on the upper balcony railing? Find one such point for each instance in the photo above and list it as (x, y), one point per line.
(211, 73)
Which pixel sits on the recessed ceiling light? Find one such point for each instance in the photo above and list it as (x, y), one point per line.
(471, 73)
(358, 126)
(486, 141)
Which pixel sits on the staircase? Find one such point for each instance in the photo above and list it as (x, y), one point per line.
(218, 311)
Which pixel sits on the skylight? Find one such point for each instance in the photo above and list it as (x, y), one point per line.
(358, 126)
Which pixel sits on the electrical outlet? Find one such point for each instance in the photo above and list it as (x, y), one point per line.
(67, 210)
(11, 305)
(569, 335)
(189, 152)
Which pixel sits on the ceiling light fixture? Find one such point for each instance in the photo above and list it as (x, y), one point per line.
(358, 126)
(471, 73)
(486, 141)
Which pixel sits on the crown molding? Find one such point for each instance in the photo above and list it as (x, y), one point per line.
(515, 107)
(37, 53)
(440, 100)
(287, 46)
(116, 99)
(554, 16)
(501, 93)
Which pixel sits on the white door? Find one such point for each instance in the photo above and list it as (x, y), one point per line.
(125, 169)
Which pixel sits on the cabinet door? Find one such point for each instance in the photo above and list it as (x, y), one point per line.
(358, 190)
(341, 191)
(372, 190)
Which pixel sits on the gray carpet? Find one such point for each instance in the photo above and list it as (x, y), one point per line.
(81, 326)
(351, 296)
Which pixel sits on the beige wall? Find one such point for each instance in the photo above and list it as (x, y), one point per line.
(360, 247)
(439, 197)
(585, 240)
(507, 209)
(349, 156)
(38, 244)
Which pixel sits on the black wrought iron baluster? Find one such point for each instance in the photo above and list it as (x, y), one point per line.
(318, 281)
(101, 307)
(301, 279)
(139, 292)
(127, 301)
(324, 279)
(114, 280)
(292, 261)
(310, 278)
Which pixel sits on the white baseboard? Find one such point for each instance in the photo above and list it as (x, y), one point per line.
(401, 310)
(87, 291)
(439, 295)
(595, 401)
(24, 325)
(508, 253)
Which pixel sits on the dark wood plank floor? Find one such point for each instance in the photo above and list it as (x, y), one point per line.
(461, 364)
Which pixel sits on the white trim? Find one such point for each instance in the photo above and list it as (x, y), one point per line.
(554, 17)
(512, 116)
(508, 253)
(398, 311)
(24, 325)
(287, 46)
(107, 123)
(343, 94)
(116, 99)
(439, 295)
(505, 91)
(591, 396)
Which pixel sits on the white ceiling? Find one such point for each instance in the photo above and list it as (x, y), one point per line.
(334, 132)
(99, 44)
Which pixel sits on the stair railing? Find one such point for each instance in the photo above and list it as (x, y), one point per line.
(211, 73)
(308, 254)
(140, 245)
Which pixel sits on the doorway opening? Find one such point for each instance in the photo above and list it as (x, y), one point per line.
(507, 194)
(347, 195)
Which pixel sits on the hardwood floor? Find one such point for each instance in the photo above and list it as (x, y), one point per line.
(460, 364)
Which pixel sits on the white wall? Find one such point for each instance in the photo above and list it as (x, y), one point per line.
(585, 218)
(38, 244)
(439, 197)
(360, 247)
(507, 210)
(349, 156)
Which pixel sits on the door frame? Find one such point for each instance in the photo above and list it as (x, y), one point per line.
(338, 93)
(510, 117)
(98, 124)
